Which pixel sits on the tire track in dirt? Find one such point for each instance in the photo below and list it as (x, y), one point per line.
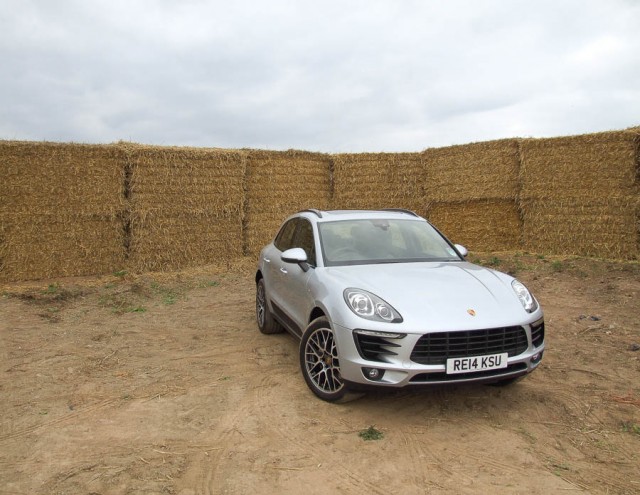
(61, 420)
(341, 474)
(424, 460)
(269, 391)
(227, 435)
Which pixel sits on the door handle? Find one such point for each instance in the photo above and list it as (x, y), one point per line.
(266, 260)
(283, 270)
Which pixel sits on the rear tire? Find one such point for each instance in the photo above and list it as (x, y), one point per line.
(266, 323)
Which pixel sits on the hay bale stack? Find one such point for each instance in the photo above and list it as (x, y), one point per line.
(479, 225)
(61, 210)
(471, 193)
(186, 206)
(476, 171)
(279, 183)
(378, 180)
(580, 195)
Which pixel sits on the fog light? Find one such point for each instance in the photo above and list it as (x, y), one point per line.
(374, 374)
(536, 358)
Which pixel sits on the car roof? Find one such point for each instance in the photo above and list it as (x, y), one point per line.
(320, 216)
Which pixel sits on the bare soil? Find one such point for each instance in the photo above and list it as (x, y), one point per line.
(161, 383)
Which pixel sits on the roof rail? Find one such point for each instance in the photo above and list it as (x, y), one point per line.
(312, 210)
(402, 210)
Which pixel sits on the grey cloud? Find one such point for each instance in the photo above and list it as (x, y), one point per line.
(329, 76)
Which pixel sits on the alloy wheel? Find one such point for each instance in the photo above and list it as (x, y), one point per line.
(321, 361)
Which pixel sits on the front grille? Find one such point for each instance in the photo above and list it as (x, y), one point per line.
(436, 348)
(374, 348)
(443, 377)
(537, 334)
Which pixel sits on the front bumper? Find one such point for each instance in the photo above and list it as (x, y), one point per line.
(397, 369)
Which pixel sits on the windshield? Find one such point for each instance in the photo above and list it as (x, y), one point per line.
(369, 241)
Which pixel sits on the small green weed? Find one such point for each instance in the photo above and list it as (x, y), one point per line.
(631, 427)
(168, 294)
(559, 467)
(52, 289)
(527, 434)
(203, 284)
(371, 433)
(557, 266)
(122, 303)
(494, 261)
(169, 299)
(120, 273)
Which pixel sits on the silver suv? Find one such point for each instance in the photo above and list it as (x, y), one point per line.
(382, 298)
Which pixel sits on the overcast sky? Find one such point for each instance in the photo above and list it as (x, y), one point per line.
(348, 75)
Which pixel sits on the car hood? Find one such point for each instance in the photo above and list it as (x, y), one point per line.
(435, 296)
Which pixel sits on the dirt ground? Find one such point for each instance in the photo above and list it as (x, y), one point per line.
(161, 383)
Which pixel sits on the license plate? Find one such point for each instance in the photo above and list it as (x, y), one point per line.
(476, 363)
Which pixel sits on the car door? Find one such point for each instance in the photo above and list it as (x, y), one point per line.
(272, 264)
(297, 301)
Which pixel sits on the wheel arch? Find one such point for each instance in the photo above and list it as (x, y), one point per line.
(316, 313)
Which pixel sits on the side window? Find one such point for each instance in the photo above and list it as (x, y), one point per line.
(304, 240)
(284, 239)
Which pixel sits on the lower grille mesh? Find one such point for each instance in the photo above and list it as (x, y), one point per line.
(436, 348)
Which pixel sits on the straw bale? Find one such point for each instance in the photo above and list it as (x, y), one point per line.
(3, 248)
(481, 225)
(261, 228)
(606, 228)
(61, 209)
(473, 171)
(378, 180)
(160, 242)
(49, 178)
(588, 166)
(186, 206)
(185, 180)
(45, 246)
(279, 183)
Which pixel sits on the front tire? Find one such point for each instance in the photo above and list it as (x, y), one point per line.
(320, 362)
(266, 323)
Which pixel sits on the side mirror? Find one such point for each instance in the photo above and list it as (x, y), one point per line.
(462, 250)
(294, 255)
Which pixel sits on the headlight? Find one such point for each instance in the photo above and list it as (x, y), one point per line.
(369, 306)
(526, 299)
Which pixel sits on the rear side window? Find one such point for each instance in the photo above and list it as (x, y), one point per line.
(284, 239)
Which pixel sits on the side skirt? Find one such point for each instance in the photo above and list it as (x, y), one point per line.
(288, 324)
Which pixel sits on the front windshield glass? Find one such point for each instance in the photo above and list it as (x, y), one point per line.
(369, 241)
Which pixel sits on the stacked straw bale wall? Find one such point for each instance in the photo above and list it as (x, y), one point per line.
(378, 180)
(279, 183)
(186, 206)
(61, 210)
(580, 195)
(72, 209)
(471, 193)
